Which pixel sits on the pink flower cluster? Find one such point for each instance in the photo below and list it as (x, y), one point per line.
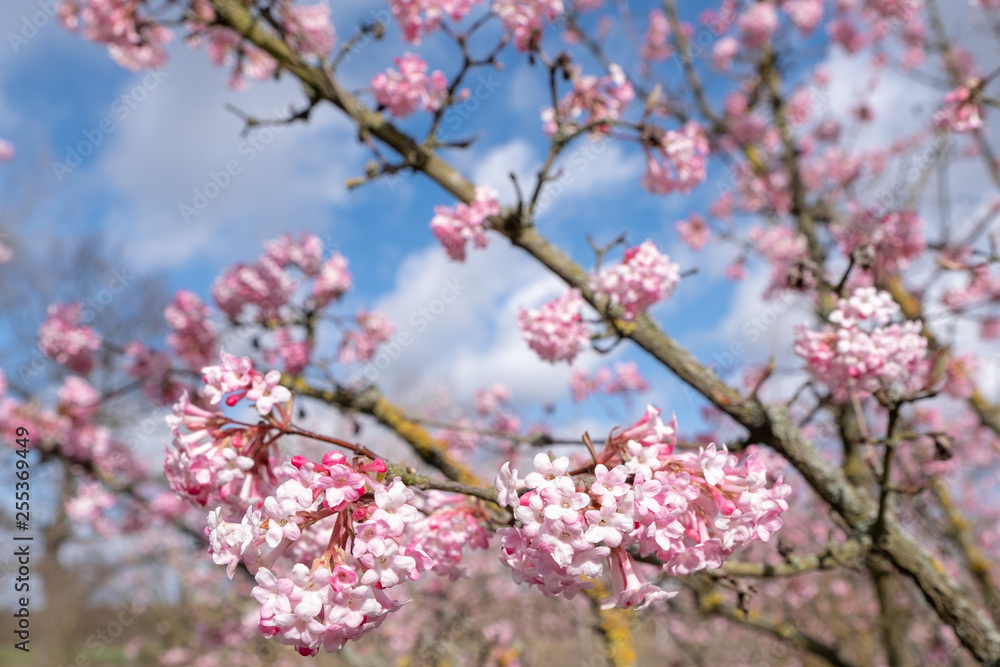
(374, 328)
(625, 379)
(644, 277)
(134, 40)
(403, 91)
(152, 368)
(757, 24)
(210, 458)
(862, 352)
(225, 45)
(805, 14)
(454, 227)
(235, 379)
(293, 355)
(961, 112)
(556, 332)
(309, 29)
(418, 17)
(266, 285)
(689, 510)
(656, 44)
(694, 231)
(595, 103)
(62, 338)
(684, 161)
(784, 249)
(192, 336)
(368, 550)
(896, 237)
(525, 19)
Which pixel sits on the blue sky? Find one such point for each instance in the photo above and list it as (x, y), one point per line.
(169, 133)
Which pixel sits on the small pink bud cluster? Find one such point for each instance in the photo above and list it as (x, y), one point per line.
(417, 17)
(225, 45)
(863, 353)
(238, 379)
(785, 250)
(961, 113)
(134, 40)
(757, 24)
(896, 237)
(403, 91)
(643, 278)
(206, 462)
(152, 368)
(656, 44)
(266, 286)
(595, 103)
(690, 511)
(62, 338)
(365, 523)
(454, 227)
(310, 30)
(805, 14)
(694, 231)
(525, 19)
(192, 336)
(374, 328)
(624, 380)
(556, 332)
(684, 161)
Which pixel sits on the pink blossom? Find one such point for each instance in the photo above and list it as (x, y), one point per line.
(6, 151)
(961, 112)
(595, 103)
(403, 91)
(785, 250)
(525, 19)
(643, 278)
(417, 17)
(655, 45)
(192, 337)
(896, 237)
(723, 52)
(683, 166)
(863, 352)
(360, 345)
(556, 332)
(225, 46)
(264, 286)
(491, 400)
(757, 24)
(305, 254)
(454, 227)
(62, 338)
(694, 231)
(135, 40)
(310, 31)
(333, 280)
(626, 380)
(805, 14)
(78, 399)
(293, 355)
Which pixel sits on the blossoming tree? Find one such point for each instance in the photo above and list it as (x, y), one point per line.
(851, 514)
